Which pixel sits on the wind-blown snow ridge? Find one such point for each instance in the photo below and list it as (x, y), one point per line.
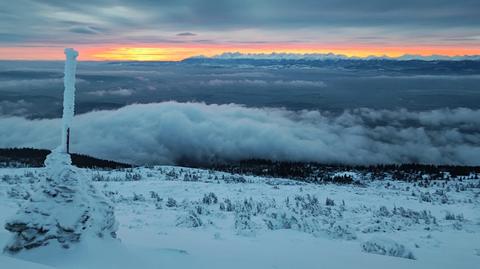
(332, 56)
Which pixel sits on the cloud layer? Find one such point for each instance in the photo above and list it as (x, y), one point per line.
(171, 132)
(224, 21)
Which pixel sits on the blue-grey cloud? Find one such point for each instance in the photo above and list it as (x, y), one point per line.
(117, 92)
(15, 108)
(438, 21)
(331, 87)
(186, 34)
(265, 83)
(171, 131)
(82, 29)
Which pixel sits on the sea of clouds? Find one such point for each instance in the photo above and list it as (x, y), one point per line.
(172, 132)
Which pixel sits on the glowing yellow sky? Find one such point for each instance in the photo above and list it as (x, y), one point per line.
(168, 52)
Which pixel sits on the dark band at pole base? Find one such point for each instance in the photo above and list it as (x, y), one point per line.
(68, 141)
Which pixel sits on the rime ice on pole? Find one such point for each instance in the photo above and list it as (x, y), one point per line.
(66, 206)
(68, 96)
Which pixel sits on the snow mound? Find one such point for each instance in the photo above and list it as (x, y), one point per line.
(388, 247)
(65, 207)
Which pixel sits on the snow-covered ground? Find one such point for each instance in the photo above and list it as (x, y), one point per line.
(174, 217)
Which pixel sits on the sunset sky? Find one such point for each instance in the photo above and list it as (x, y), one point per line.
(176, 29)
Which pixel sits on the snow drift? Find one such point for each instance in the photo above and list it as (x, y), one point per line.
(172, 132)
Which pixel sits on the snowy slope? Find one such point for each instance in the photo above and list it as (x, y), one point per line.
(174, 217)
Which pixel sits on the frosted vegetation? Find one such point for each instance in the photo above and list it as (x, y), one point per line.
(203, 217)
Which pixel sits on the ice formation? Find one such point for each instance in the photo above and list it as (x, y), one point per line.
(68, 96)
(66, 206)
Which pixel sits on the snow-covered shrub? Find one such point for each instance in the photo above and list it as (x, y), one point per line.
(308, 215)
(11, 179)
(171, 175)
(158, 205)
(6, 178)
(416, 217)
(439, 192)
(234, 179)
(98, 177)
(138, 197)
(426, 197)
(110, 194)
(307, 203)
(287, 219)
(155, 196)
(309, 206)
(171, 202)
(340, 179)
(282, 220)
(189, 220)
(18, 192)
(243, 219)
(342, 231)
(132, 176)
(452, 216)
(382, 212)
(329, 202)
(388, 247)
(28, 174)
(210, 198)
(247, 205)
(398, 219)
(227, 205)
(201, 210)
(191, 177)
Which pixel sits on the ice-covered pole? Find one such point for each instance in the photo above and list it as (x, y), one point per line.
(68, 97)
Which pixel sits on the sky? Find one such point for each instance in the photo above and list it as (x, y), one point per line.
(177, 29)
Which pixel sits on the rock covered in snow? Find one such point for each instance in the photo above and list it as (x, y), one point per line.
(65, 208)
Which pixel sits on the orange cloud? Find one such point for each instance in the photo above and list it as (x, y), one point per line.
(169, 52)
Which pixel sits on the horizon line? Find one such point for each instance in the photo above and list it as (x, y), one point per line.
(242, 55)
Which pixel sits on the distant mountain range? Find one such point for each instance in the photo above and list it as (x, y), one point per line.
(405, 65)
(332, 56)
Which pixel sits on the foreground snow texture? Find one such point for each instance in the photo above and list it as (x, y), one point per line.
(64, 208)
(173, 217)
